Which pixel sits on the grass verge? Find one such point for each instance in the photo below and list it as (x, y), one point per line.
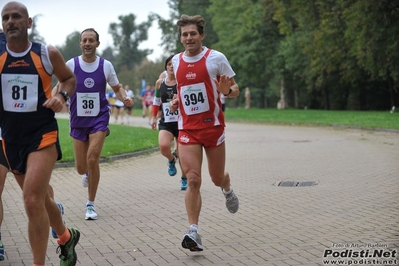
(125, 139)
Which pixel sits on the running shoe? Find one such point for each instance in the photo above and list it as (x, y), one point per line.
(68, 255)
(91, 213)
(232, 202)
(85, 180)
(172, 167)
(2, 254)
(192, 241)
(62, 213)
(183, 183)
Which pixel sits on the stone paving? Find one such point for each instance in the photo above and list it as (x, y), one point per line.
(142, 218)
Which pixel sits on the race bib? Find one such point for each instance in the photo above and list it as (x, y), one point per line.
(168, 115)
(88, 103)
(194, 98)
(20, 92)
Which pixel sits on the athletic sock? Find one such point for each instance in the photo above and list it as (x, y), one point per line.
(194, 227)
(227, 192)
(62, 239)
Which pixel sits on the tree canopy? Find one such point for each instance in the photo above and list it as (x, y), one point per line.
(127, 37)
(334, 55)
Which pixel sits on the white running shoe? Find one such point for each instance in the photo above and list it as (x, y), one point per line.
(85, 180)
(232, 202)
(91, 213)
(192, 241)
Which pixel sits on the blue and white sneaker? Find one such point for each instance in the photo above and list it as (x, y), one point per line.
(62, 213)
(183, 183)
(91, 213)
(171, 167)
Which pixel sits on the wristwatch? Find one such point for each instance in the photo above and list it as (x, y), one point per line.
(228, 93)
(65, 95)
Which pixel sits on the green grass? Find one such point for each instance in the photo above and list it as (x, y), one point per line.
(358, 119)
(122, 139)
(125, 139)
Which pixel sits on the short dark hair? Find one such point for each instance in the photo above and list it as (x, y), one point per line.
(168, 59)
(190, 20)
(93, 30)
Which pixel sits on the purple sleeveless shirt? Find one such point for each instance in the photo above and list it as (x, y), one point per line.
(94, 82)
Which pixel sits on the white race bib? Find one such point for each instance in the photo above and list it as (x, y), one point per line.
(88, 103)
(20, 92)
(194, 98)
(168, 116)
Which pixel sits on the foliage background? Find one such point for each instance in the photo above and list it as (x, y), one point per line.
(304, 54)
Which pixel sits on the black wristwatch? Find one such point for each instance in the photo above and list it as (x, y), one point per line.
(65, 95)
(228, 93)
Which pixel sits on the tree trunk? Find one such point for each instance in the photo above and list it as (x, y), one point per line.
(281, 103)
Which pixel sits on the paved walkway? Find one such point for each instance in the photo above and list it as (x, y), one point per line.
(355, 205)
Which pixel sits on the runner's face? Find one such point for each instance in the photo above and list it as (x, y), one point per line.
(169, 67)
(191, 39)
(15, 21)
(89, 43)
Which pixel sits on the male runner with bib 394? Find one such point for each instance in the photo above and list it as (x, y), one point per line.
(201, 74)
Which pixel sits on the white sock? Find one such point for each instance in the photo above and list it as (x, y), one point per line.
(227, 192)
(90, 203)
(194, 227)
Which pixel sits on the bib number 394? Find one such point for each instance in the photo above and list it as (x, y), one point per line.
(195, 99)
